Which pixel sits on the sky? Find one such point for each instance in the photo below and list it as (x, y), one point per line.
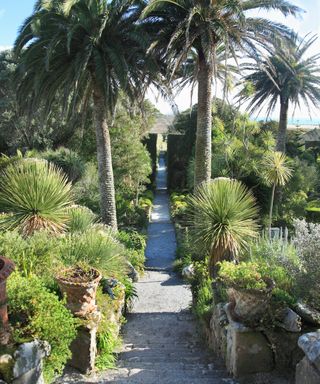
(14, 12)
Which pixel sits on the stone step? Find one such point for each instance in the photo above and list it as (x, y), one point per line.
(145, 378)
(174, 366)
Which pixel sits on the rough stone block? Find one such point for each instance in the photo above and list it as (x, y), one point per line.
(84, 350)
(218, 327)
(310, 344)
(287, 354)
(248, 350)
(306, 373)
(28, 363)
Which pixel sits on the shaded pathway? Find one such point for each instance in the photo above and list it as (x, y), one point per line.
(161, 343)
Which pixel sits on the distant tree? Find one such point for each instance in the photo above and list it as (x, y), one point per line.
(288, 76)
(182, 27)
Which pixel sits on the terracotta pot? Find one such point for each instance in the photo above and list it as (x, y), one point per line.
(249, 305)
(6, 268)
(81, 296)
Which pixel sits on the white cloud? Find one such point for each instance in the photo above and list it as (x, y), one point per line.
(5, 47)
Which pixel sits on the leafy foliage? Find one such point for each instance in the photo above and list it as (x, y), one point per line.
(36, 194)
(69, 161)
(37, 313)
(37, 254)
(307, 240)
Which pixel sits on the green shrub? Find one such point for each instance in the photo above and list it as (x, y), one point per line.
(132, 240)
(69, 161)
(36, 313)
(36, 193)
(131, 215)
(135, 244)
(242, 275)
(250, 275)
(34, 255)
(87, 188)
(204, 303)
(179, 205)
(107, 335)
(80, 218)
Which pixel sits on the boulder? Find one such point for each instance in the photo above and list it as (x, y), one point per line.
(28, 364)
(306, 373)
(310, 344)
(188, 272)
(308, 314)
(289, 320)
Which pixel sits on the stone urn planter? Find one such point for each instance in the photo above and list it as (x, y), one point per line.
(249, 305)
(6, 268)
(80, 287)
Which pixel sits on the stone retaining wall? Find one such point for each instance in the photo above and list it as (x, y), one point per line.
(247, 352)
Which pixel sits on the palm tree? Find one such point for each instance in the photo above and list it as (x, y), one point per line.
(287, 76)
(201, 27)
(84, 50)
(276, 172)
(223, 218)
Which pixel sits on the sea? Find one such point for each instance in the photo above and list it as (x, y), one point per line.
(300, 122)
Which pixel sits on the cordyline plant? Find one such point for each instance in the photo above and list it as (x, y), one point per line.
(223, 218)
(276, 172)
(34, 194)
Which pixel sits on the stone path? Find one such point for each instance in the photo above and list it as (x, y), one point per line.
(161, 341)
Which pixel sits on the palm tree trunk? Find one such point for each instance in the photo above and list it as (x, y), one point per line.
(107, 191)
(271, 209)
(283, 123)
(202, 172)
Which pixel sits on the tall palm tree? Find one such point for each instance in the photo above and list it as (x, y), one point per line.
(276, 172)
(84, 50)
(288, 77)
(223, 217)
(201, 26)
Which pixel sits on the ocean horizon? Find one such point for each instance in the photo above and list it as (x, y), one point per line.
(297, 121)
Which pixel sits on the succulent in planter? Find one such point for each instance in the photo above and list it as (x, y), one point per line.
(79, 284)
(249, 290)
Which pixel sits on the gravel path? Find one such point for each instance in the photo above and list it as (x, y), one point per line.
(161, 342)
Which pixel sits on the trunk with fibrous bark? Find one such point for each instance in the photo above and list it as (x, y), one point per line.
(283, 124)
(106, 180)
(202, 172)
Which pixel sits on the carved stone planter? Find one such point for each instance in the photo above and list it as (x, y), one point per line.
(80, 288)
(6, 268)
(249, 305)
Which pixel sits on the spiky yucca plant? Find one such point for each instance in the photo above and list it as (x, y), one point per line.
(276, 172)
(96, 247)
(35, 193)
(223, 215)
